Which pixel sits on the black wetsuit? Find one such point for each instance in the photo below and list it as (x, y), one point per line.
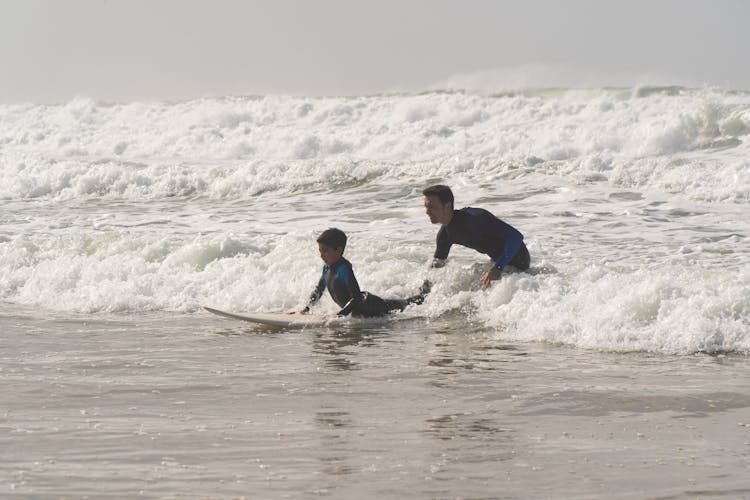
(478, 229)
(342, 285)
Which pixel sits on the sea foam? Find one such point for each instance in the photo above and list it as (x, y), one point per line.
(632, 202)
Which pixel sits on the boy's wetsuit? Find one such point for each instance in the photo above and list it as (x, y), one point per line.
(478, 229)
(342, 285)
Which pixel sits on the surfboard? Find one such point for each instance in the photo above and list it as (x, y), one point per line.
(281, 320)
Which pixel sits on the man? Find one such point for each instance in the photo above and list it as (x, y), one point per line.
(474, 228)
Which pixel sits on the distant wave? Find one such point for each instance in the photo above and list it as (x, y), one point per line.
(667, 138)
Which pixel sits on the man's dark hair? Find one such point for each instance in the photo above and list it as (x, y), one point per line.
(334, 238)
(443, 193)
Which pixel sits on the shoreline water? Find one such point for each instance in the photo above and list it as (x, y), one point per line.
(197, 406)
(616, 367)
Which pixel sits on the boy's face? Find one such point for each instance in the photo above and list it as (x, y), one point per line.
(330, 255)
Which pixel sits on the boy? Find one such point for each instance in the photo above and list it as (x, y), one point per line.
(338, 277)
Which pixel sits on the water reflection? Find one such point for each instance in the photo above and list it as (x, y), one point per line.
(463, 355)
(453, 426)
(333, 418)
(340, 347)
(334, 426)
(598, 404)
(467, 438)
(456, 361)
(337, 466)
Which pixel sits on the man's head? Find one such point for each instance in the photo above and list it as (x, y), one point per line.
(438, 204)
(331, 244)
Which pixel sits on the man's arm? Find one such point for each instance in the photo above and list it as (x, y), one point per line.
(512, 240)
(442, 248)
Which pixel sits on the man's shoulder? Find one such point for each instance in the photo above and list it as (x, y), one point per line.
(471, 216)
(474, 212)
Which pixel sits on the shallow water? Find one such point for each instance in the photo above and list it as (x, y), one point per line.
(175, 406)
(615, 367)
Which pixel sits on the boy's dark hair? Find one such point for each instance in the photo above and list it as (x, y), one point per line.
(333, 237)
(443, 193)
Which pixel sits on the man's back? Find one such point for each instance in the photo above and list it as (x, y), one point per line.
(480, 230)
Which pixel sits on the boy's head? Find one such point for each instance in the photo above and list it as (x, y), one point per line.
(331, 244)
(438, 203)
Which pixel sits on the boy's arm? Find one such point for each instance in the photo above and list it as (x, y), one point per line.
(348, 308)
(317, 293)
(354, 292)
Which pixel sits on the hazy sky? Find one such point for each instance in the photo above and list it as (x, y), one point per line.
(54, 50)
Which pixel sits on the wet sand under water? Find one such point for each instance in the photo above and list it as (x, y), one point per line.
(196, 406)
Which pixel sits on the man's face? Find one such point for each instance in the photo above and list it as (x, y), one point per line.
(438, 212)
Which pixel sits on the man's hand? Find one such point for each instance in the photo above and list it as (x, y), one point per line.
(491, 275)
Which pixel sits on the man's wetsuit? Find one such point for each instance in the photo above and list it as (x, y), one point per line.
(342, 285)
(478, 229)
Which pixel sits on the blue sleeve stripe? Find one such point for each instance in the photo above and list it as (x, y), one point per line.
(343, 274)
(511, 247)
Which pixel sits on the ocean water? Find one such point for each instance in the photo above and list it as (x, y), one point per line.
(621, 354)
